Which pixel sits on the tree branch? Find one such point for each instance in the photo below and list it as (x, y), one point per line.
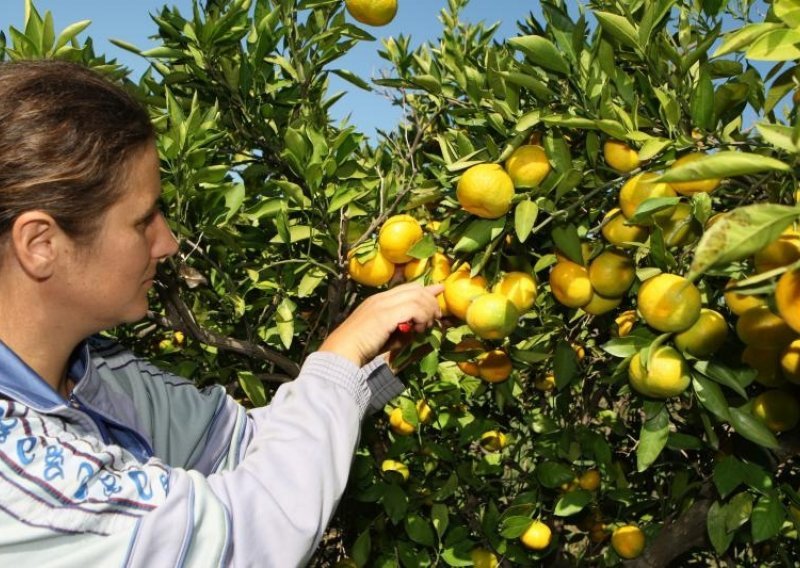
(676, 538)
(179, 316)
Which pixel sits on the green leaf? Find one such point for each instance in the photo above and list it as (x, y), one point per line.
(479, 233)
(524, 218)
(565, 365)
(753, 429)
(767, 518)
(653, 147)
(568, 242)
(646, 209)
(428, 83)
(710, 396)
(424, 248)
(755, 477)
(776, 45)
(395, 502)
(539, 89)
(780, 136)
(652, 439)
(527, 121)
(361, 548)
(553, 474)
(70, 32)
(736, 380)
(458, 554)
(743, 37)
(440, 517)
(727, 475)
(541, 51)
(419, 530)
(572, 502)
(352, 78)
(723, 164)
(252, 387)
(653, 14)
(702, 102)
(619, 28)
(737, 511)
(788, 11)
(312, 277)
(513, 526)
(720, 538)
(740, 233)
(624, 347)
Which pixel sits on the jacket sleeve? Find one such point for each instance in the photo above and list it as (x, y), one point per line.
(267, 506)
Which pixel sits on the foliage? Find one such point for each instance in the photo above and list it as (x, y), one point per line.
(268, 195)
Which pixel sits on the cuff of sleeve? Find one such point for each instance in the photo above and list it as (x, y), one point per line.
(382, 383)
(342, 372)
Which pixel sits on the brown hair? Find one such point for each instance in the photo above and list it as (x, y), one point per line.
(66, 133)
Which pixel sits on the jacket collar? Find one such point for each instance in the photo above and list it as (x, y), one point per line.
(22, 384)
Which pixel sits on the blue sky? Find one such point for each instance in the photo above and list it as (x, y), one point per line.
(130, 21)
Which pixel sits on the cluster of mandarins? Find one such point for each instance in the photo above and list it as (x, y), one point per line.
(772, 340)
(671, 304)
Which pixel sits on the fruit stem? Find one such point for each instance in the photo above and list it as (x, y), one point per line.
(487, 254)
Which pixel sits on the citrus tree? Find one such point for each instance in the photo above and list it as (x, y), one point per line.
(609, 198)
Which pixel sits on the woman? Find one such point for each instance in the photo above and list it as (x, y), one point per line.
(106, 460)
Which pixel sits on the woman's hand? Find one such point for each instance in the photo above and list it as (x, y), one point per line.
(366, 331)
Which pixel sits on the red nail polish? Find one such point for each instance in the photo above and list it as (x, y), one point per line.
(404, 327)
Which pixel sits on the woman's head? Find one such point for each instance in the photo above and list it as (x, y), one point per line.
(66, 137)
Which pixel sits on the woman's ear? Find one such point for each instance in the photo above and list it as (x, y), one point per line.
(33, 243)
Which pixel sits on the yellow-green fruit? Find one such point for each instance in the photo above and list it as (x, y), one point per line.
(519, 287)
(545, 383)
(790, 362)
(617, 232)
(667, 373)
(395, 467)
(372, 12)
(787, 298)
(600, 304)
(399, 425)
(740, 303)
(570, 284)
(620, 157)
(778, 409)
(669, 302)
(639, 189)
(783, 251)
(485, 190)
(528, 166)
(680, 228)
(537, 536)
(766, 362)
(494, 440)
(460, 290)
(376, 271)
(590, 480)
(492, 316)
(424, 411)
(760, 327)
(628, 541)
(612, 273)
(482, 558)
(397, 235)
(705, 336)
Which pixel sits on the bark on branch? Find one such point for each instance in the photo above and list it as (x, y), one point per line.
(180, 317)
(676, 538)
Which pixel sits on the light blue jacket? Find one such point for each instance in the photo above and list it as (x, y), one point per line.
(140, 468)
